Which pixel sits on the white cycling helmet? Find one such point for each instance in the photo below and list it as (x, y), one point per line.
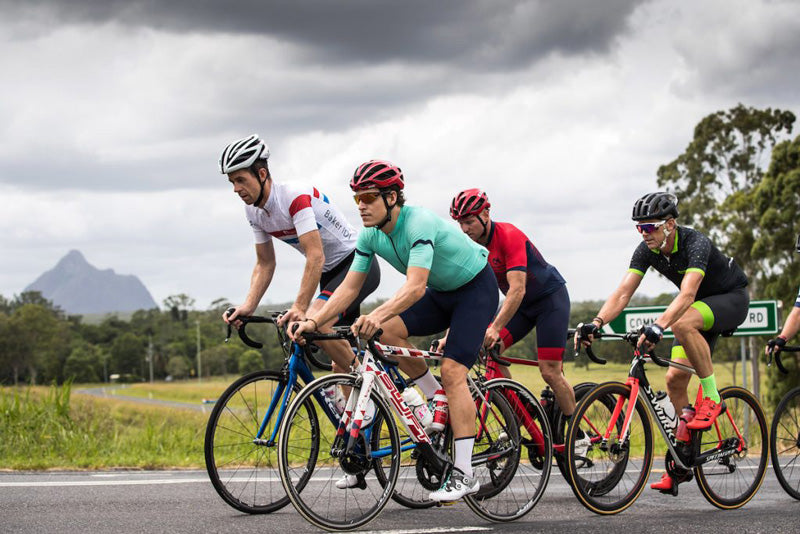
(242, 154)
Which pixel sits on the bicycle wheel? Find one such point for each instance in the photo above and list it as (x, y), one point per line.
(243, 468)
(509, 413)
(608, 470)
(732, 480)
(785, 442)
(321, 501)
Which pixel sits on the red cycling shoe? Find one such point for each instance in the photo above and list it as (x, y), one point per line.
(664, 485)
(707, 412)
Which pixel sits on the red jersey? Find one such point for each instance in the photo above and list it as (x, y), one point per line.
(511, 250)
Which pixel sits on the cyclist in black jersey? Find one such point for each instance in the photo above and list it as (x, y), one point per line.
(713, 299)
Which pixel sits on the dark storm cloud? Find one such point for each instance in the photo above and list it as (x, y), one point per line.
(493, 35)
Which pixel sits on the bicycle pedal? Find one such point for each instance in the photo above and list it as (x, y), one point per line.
(446, 503)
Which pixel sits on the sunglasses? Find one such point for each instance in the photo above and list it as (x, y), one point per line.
(649, 228)
(366, 198)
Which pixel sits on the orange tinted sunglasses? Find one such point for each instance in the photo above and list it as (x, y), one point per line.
(366, 198)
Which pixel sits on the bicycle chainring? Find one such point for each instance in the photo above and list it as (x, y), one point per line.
(678, 474)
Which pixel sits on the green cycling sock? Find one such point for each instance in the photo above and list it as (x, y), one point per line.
(709, 384)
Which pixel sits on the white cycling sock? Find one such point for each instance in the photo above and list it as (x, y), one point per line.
(428, 384)
(463, 455)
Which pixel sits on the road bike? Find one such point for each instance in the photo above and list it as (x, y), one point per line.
(728, 460)
(784, 440)
(242, 431)
(365, 446)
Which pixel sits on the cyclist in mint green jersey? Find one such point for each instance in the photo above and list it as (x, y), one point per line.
(448, 284)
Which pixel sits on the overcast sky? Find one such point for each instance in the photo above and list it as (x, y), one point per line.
(113, 114)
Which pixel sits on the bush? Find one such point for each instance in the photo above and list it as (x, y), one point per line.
(249, 361)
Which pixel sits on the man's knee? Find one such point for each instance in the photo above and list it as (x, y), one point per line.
(551, 371)
(677, 379)
(453, 373)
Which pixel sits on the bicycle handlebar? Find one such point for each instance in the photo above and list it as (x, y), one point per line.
(631, 338)
(777, 356)
(247, 319)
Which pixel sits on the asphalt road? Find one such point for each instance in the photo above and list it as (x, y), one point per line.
(184, 501)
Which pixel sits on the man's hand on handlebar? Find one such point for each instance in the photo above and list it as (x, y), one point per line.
(651, 334)
(584, 334)
(295, 329)
(491, 337)
(292, 315)
(230, 315)
(366, 326)
(775, 345)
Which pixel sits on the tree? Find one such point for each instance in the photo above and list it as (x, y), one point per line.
(716, 178)
(39, 339)
(178, 367)
(250, 361)
(127, 354)
(178, 306)
(84, 363)
(778, 199)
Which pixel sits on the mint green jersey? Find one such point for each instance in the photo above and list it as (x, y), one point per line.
(423, 239)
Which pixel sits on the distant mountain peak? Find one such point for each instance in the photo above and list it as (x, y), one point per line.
(78, 287)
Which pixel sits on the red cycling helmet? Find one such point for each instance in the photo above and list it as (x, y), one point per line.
(377, 173)
(468, 202)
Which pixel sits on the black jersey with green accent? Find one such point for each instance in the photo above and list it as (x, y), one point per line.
(692, 252)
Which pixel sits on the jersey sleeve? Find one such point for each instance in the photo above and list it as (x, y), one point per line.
(260, 235)
(422, 238)
(514, 249)
(640, 261)
(302, 214)
(364, 253)
(699, 251)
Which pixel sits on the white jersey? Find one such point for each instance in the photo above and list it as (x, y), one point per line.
(295, 209)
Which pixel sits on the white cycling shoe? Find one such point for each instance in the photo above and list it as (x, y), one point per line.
(455, 487)
(350, 481)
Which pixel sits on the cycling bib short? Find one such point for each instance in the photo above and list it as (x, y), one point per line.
(550, 316)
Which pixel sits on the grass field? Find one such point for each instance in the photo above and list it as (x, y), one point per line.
(52, 427)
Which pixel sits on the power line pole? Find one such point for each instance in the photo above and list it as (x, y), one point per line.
(150, 355)
(199, 362)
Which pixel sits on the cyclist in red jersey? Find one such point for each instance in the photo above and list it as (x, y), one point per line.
(536, 293)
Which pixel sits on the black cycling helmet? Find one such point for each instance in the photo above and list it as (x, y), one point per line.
(655, 206)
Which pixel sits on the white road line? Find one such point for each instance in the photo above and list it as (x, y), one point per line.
(428, 530)
(64, 483)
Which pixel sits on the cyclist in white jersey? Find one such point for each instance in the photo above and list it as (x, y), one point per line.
(304, 218)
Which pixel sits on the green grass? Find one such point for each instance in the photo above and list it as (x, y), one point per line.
(44, 428)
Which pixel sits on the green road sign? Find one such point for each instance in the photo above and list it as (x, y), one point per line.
(762, 319)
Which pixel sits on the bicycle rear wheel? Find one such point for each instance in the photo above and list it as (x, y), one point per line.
(510, 488)
(321, 501)
(740, 436)
(608, 470)
(785, 442)
(243, 468)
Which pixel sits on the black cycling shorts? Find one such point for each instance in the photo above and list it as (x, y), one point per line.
(721, 313)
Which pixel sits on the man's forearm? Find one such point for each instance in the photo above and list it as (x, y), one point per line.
(508, 309)
(259, 282)
(792, 324)
(336, 304)
(309, 282)
(675, 310)
(405, 297)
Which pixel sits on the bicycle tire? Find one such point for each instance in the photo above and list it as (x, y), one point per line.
(242, 472)
(320, 502)
(509, 488)
(784, 442)
(611, 475)
(743, 470)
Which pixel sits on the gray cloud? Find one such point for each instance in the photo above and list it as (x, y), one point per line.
(490, 35)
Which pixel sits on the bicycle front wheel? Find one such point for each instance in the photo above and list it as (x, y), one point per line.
(608, 466)
(785, 442)
(342, 492)
(508, 415)
(739, 438)
(242, 464)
